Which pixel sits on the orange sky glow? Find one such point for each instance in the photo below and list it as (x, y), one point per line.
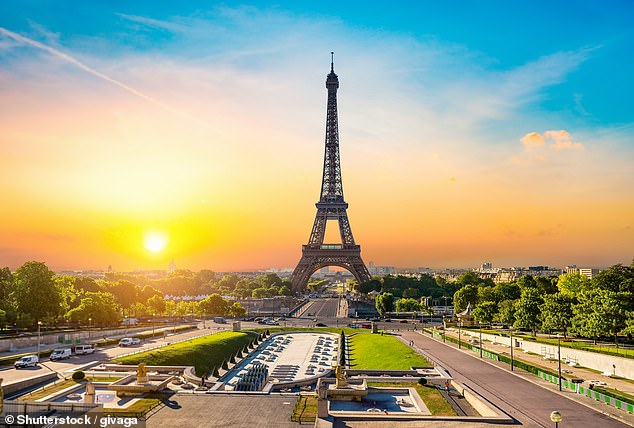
(230, 172)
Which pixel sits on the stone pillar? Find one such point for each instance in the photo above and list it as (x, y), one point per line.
(322, 399)
(375, 328)
(236, 326)
(89, 396)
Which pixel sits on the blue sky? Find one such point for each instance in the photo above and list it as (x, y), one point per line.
(505, 127)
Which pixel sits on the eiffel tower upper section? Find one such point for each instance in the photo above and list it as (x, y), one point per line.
(331, 205)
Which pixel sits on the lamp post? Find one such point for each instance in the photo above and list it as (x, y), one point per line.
(153, 326)
(39, 327)
(480, 343)
(559, 361)
(459, 325)
(555, 416)
(89, 328)
(511, 331)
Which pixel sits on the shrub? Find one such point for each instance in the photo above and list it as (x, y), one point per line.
(78, 375)
(422, 381)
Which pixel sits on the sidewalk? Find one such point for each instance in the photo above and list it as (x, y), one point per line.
(537, 360)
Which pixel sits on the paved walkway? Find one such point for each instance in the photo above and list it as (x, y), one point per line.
(193, 411)
(538, 360)
(522, 395)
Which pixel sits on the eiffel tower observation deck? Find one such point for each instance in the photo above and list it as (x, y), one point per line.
(331, 206)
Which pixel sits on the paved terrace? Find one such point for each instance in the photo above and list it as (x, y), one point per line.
(291, 357)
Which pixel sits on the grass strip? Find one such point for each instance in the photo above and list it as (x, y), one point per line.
(382, 352)
(430, 395)
(305, 409)
(204, 353)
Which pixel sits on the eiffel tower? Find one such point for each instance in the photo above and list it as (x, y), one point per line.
(331, 206)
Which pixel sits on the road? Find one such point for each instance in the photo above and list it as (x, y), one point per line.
(528, 403)
(321, 308)
(103, 354)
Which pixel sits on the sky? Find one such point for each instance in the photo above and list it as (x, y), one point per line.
(134, 133)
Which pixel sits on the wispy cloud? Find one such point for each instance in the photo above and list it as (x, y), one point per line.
(61, 55)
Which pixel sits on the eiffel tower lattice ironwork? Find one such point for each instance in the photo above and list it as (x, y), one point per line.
(331, 206)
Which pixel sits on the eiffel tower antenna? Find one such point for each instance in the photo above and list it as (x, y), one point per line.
(331, 206)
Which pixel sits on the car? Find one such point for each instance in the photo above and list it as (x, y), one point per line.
(387, 320)
(129, 341)
(271, 322)
(320, 324)
(61, 354)
(403, 321)
(84, 349)
(374, 319)
(27, 361)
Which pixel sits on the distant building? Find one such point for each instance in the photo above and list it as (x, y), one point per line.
(172, 267)
(381, 270)
(571, 269)
(589, 272)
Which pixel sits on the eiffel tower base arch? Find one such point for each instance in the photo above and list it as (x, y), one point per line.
(314, 259)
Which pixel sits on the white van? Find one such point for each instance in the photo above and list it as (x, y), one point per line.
(61, 354)
(84, 349)
(27, 361)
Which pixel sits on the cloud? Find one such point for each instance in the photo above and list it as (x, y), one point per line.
(25, 40)
(532, 139)
(555, 140)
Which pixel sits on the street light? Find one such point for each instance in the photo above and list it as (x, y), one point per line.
(558, 362)
(39, 326)
(459, 325)
(511, 331)
(480, 325)
(89, 328)
(555, 416)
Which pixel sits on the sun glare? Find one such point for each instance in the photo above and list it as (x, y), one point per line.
(155, 241)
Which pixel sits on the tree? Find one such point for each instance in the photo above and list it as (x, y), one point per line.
(407, 305)
(101, 307)
(156, 304)
(572, 284)
(527, 312)
(367, 286)
(506, 311)
(147, 292)
(6, 286)
(237, 310)
(385, 303)
(464, 296)
(214, 305)
(35, 291)
(125, 292)
(526, 281)
(285, 290)
(507, 291)
(485, 312)
(545, 285)
(588, 321)
(468, 278)
(557, 312)
(616, 278)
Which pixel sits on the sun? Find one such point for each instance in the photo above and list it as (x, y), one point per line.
(155, 241)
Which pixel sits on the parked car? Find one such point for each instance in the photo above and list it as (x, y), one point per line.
(84, 349)
(27, 361)
(61, 354)
(403, 321)
(129, 341)
(320, 324)
(271, 322)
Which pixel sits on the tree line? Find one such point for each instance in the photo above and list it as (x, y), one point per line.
(34, 293)
(569, 303)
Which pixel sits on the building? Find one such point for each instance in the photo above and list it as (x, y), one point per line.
(589, 272)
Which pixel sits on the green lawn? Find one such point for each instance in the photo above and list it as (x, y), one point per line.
(382, 352)
(204, 353)
(430, 395)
